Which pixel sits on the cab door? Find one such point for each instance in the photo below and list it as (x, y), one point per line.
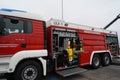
(12, 35)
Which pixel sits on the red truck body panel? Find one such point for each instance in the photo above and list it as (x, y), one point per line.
(92, 41)
(36, 39)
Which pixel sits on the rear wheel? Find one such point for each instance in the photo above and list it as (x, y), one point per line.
(96, 61)
(106, 60)
(28, 70)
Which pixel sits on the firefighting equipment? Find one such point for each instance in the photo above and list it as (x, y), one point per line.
(70, 52)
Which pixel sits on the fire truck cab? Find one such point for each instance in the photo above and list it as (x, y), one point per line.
(22, 45)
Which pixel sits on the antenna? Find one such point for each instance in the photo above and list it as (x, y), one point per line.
(62, 17)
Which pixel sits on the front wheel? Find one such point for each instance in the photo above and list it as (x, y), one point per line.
(28, 70)
(96, 61)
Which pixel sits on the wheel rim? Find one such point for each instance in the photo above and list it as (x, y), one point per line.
(29, 73)
(96, 61)
(107, 60)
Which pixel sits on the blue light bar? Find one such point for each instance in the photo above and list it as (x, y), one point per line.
(11, 10)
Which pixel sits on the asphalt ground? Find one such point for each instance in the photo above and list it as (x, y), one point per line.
(111, 72)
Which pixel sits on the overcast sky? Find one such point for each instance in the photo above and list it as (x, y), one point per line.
(96, 13)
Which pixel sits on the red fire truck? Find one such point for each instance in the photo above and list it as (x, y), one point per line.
(31, 47)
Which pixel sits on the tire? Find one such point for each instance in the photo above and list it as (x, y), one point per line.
(106, 60)
(29, 70)
(96, 61)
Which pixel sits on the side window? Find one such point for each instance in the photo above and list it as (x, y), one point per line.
(15, 25)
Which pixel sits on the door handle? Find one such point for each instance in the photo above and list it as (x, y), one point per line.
(23, 45)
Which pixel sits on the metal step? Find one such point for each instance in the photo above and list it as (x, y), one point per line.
(4, 67)
(4, 64)
(71, 71)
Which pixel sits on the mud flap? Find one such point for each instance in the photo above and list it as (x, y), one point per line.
(71, 71)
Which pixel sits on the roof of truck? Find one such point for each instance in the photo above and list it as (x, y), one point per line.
(22, 14)
(57, 22)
